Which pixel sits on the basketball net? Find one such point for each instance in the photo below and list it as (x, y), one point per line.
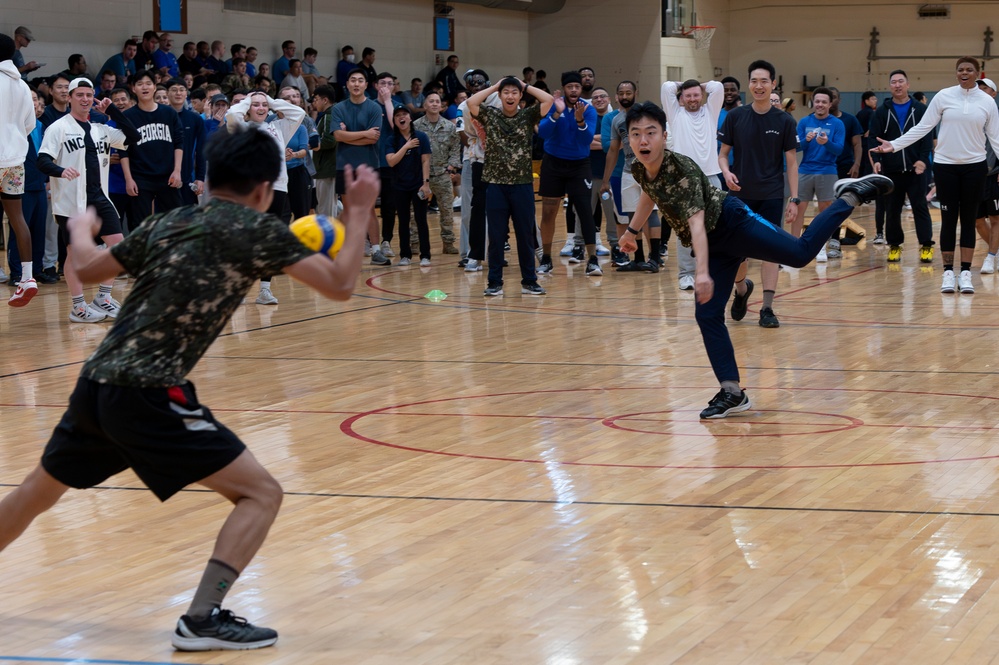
(702, 36)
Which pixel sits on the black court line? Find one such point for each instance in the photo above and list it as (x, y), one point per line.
(609, 504)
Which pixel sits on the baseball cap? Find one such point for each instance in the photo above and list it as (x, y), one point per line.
(24, 32)
(988, 82)
(219, 98)
(80, 83)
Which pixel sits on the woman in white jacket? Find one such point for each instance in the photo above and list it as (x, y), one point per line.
(967, 116)
(17, 121)
(253, 110)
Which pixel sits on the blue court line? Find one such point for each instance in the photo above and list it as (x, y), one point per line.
(80, 661)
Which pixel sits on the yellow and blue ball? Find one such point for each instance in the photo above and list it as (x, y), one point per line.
(320, 233)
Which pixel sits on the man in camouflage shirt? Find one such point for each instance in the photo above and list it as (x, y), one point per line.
(134, 408)
(723, 232)
(445, 165)
(509, 176)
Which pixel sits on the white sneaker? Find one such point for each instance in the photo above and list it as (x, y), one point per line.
(602, 251)
(266, 298)
(367, 247)
(3, 277)
(424, 263)
(473, 265)
(387, 248)
(964, 282)
(834, 251)
(86, 314)
(686, 283)
(821, 257)
(989, 264)
(110, 306)
(405, 261)
(947, 286)
(566, 250)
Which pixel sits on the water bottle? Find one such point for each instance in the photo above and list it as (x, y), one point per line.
(605, 196)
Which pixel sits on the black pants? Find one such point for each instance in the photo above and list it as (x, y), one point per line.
(299, 191)
(477, 222)
(387, 204)
(123, 204)
(568, 177)
(959, 189)
(913, 184)
(280, 209)
(162, 195)
(402, 202)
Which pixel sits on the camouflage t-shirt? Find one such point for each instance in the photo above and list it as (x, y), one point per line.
(681, 189)
(192, 268)
(508, 145)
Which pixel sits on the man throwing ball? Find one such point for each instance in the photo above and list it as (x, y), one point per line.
(722, 232)
(132, 406)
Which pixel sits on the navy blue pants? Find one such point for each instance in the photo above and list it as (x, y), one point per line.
(504, 202)
(35, 207)
(742, 234)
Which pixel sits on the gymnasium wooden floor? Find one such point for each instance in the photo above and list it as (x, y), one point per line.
(525, 481)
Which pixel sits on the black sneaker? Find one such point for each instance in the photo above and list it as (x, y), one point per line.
(593, 267)
(532, 289)
(52, 274)
(221, 630)
(493, 290)
(546, 265)
(463, 262)
(618, 257)
(725, 403)
(740, 304)
(46, 278)
(630, 266)
(578, 254)
(867, 188)
(648, 266)
(506, 246)
(659, 261)
(768, 319)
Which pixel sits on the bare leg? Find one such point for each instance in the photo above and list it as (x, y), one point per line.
(740, 278)
(19, 508)
(21, 233)
(549, 211)
(984, 230)
(111, 241)
(72, 281)
(994, 235)
(257, 498)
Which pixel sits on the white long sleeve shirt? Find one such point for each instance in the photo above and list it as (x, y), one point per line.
(966, 119)
(695, 135)
(280, 129)
(17, 116)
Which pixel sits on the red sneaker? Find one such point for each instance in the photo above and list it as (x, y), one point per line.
(26, 290)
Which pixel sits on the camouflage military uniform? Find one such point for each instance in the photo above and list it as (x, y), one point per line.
(681, 189)
(446, 151)
(193, 266)
(508, 145)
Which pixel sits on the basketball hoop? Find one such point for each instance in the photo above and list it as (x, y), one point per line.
(702, 35)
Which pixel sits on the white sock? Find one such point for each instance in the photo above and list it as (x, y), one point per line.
(26, 273)
(265, 285)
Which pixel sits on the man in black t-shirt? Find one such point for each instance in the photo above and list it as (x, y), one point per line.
(762, 138)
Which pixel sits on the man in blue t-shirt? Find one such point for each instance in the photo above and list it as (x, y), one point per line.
(281, 66)
(358, 143)
(821, 137)
(165, 61)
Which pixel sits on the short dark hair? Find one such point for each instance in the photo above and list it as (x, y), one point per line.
(172, 82)
(130, 42)
(587, 69)
(971, 60)
(357, 70)
(416, 80)
(367, 51)
(822, 90)
(291, 63)
(898, 71)
(918, 96)
(7, 47)
(346, 48)
(118, 91)
(58, 76)
(634, 86)
(75, 59)
(150, 34)
(139, 75)
(433, 92)
(510, 81)
(234, 49)
(311, 51)
(867, 95)
(687, 85)
(108, 72)
(286, 43)
(382, 75)
(645, 110)
(452, 56)
(238, 61)
(198, 93)
(542, 74)
(326, 92)
(732, 79)
(527, 69)
(762, 64)
(241, 159)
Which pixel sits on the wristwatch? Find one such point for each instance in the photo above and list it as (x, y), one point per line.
(794, 199)
(634, 232)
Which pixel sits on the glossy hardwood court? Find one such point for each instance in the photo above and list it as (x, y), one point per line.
(524, 480)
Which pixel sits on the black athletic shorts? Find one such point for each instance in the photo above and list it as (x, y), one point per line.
(565, 177)
(162, 434)
(110, 221)
(989, 207)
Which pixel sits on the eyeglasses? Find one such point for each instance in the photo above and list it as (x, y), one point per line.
(600, 97)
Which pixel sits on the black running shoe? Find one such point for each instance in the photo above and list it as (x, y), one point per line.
(867, 188)
(648, 266)
(578, 254)
(630, 266)
(725, 403)
(618, 257)
(493, 290)
(532, 289)
(768, 319)
(546, 265)
(593, 267)
(740, 304)
(221, 630)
